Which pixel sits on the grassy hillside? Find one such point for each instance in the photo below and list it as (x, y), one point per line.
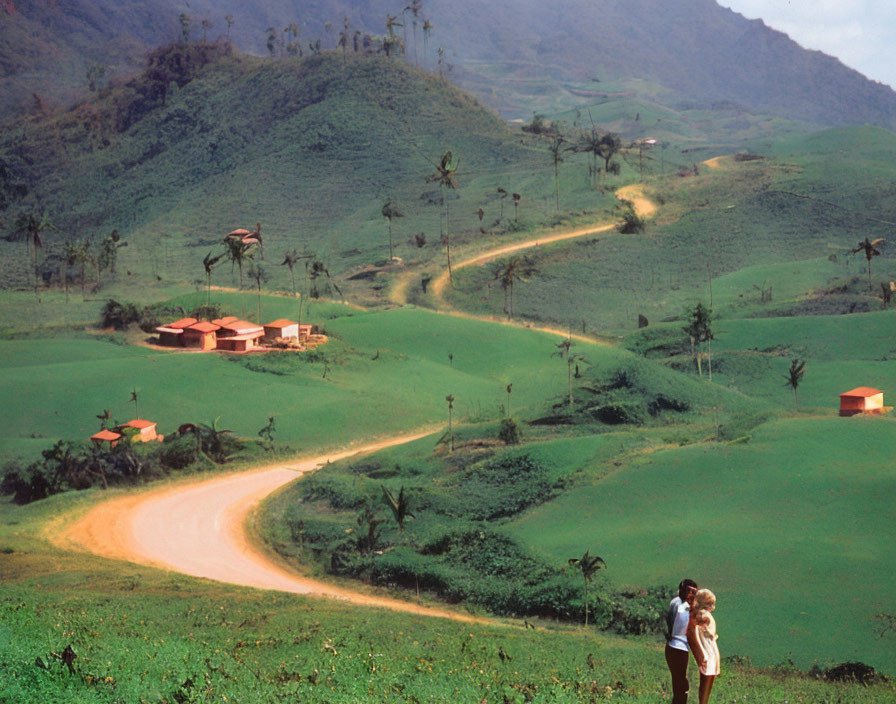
(786, 223)
(311, 149)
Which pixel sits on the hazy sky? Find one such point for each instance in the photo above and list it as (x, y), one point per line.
(861, 33)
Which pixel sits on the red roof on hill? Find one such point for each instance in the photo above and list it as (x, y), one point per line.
(204, 326)
(223, 321)
(138, 423)
(106, 436)
(182, 323)
(241, 326)
(863, 391)
(280, 323)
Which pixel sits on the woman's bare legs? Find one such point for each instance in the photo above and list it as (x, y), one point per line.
(705, 687)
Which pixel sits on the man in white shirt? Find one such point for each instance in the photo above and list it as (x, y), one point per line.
(677, 650)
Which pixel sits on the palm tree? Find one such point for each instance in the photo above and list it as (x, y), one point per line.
(134, 400)
(589, 566)
(794, 376)
(259, 276)
(70, 257)
(208, 262)
(415, 7)
(239, 252)
(446, 177)
(699, 329)
(514, 269)
(503, 194)
(557, 140)
(509, 390)
(564, 351)
(401, 507)
(29, 227)
(229, 20)
(450, 399)
(427, 30)
(390, 211)
(211, 441)
(870, 250)
(516, 206)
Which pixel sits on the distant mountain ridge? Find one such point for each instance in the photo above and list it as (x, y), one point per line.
(695, 49)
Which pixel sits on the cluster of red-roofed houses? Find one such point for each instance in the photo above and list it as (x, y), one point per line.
(230, 334)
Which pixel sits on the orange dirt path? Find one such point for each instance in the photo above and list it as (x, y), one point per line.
(198, 528)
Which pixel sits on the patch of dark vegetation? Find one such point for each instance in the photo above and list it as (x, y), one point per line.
(617, 414)
(748, 157)
(825, 305)
(448, 544)
(71, 465)
(552, 420)
(121, 315)
(857, 672)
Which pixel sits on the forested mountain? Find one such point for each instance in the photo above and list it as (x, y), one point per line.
(688, 50)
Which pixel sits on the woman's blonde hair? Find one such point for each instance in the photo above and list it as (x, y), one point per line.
(705, 599)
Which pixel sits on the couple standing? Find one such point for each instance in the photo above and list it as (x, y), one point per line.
(690, 627)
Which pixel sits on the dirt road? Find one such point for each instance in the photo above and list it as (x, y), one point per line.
(198, 528)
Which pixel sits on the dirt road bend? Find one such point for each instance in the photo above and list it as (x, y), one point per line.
(199, 529)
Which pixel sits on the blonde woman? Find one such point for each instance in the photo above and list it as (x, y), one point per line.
(702, 637)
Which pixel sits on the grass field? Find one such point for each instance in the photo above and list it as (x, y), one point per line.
(793, 530)
(386, 372)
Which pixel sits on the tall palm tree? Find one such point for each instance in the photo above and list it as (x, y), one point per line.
(450, 399)
(70, 256)
(564, 351)
(401, 506)
(513, 270)
(794, 376)
(390, 211)
(446, 176)
(427, 30)
(415, 7)
(134, 401)
(259, 276)
(208, 262)
(870, 250)
(239, 252)
(588, 565)
(29, 227)
(503, 194)
(557, 140)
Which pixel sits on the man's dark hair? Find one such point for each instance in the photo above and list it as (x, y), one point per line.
(687, 583)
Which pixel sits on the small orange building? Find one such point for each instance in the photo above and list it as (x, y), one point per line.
(107, 436)
(146, 430)
(863, 399)
(201, 335)
(281, 328)
(239, 336)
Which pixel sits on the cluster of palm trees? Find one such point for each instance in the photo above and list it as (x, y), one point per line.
(47, 262)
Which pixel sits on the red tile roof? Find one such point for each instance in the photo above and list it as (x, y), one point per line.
(203, 326)
(183, 323)
(280, 323)
(105, 435)
(173, 331)
(226, 319)
(863, 391)
(138, 423)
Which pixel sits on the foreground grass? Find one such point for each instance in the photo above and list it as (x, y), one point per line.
(142, 635)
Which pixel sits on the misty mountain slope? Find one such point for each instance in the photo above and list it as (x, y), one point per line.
(694, 49)
(311, 148)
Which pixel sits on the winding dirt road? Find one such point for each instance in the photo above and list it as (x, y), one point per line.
(198, 529)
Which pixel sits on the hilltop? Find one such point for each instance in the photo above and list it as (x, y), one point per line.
(693, 52)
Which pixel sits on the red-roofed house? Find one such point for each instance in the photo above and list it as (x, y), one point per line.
(239, 336)
(171, 335)
(201, 335)
(861, 400)
(146, 430)
(281, 328)
(223, 321)
(106, 436)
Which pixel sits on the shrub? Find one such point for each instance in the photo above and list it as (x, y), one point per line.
(509, 433)
(119, 315)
